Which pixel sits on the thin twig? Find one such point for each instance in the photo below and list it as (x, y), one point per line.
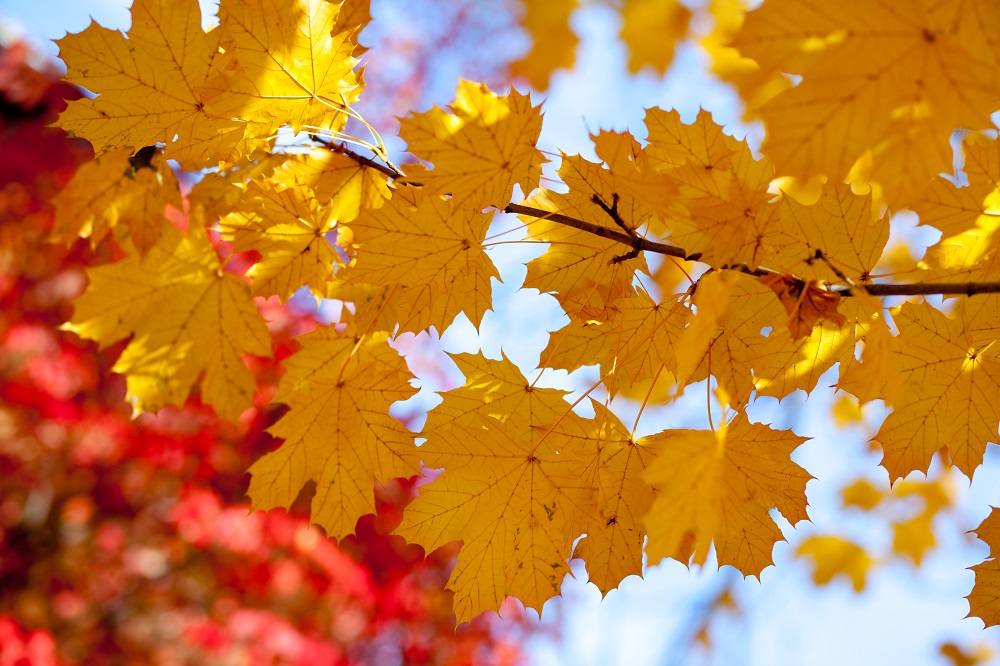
(887, 289)
(598, 230)
(341, 149)
(613, 213)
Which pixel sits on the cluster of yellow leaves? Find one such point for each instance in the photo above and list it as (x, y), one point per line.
(212, 97)
(912, 532)
(760, 309)
(650, 31)
(883, 85)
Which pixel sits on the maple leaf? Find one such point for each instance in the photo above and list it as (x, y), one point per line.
(966, 216)
(186, 316)
(981, 654)
(650, 29)
(613, 462)
(718, 487)
(338, 182)
(149, 85)
(876, 376)
(430, 253)
(630, 174)
(984, 600)
(337, 432)
(783, 363)
(711, 300)
(510, 495)
(116, 192)
(480, 150)
(698, 155)
(353, 15)
(289, 228)
(807, 304)
(499, 390)
(744, 355)
(855, 78)
(283, 65)
(841, 238)
(862, 494)
(733, 347)
(586, 273)
(951, 388)
(835, 556)
(218, 192)
(722, 227)
(552, 41)
(639, 343)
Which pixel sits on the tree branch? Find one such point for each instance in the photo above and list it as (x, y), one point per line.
(598, 230)
(630, 238)
(342, 149)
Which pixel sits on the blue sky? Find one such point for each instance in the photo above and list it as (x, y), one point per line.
(903, 614)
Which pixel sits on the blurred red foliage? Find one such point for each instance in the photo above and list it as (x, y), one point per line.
(129, 541)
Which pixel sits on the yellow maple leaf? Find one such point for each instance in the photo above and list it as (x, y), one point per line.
(288, 227)
(968, 217)
(630, 173)
(736, 341)
(783, 363)
(339, 183)
(862, 494)
(723, 227)
(914, 536)
(984, 600)
(876, 376)
(552, 41)
(120, 192)
(149, 85)
(218, 192)
(650, 29)
(981, 654)
(353, 15)
(510, 494)
(711, 300)
(186, 317)
(951, 390)
(499, 390)
(481, 149)
(613, 462)
(840, 236)
(430, 253)
(847, 411)
(586, 273)
(835, 556)
(337, 432)
(638, 344)
(855, 82)
(699, 155)
(283, 65)
(718, 487)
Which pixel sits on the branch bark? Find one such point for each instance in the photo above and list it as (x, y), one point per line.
(639, 243)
